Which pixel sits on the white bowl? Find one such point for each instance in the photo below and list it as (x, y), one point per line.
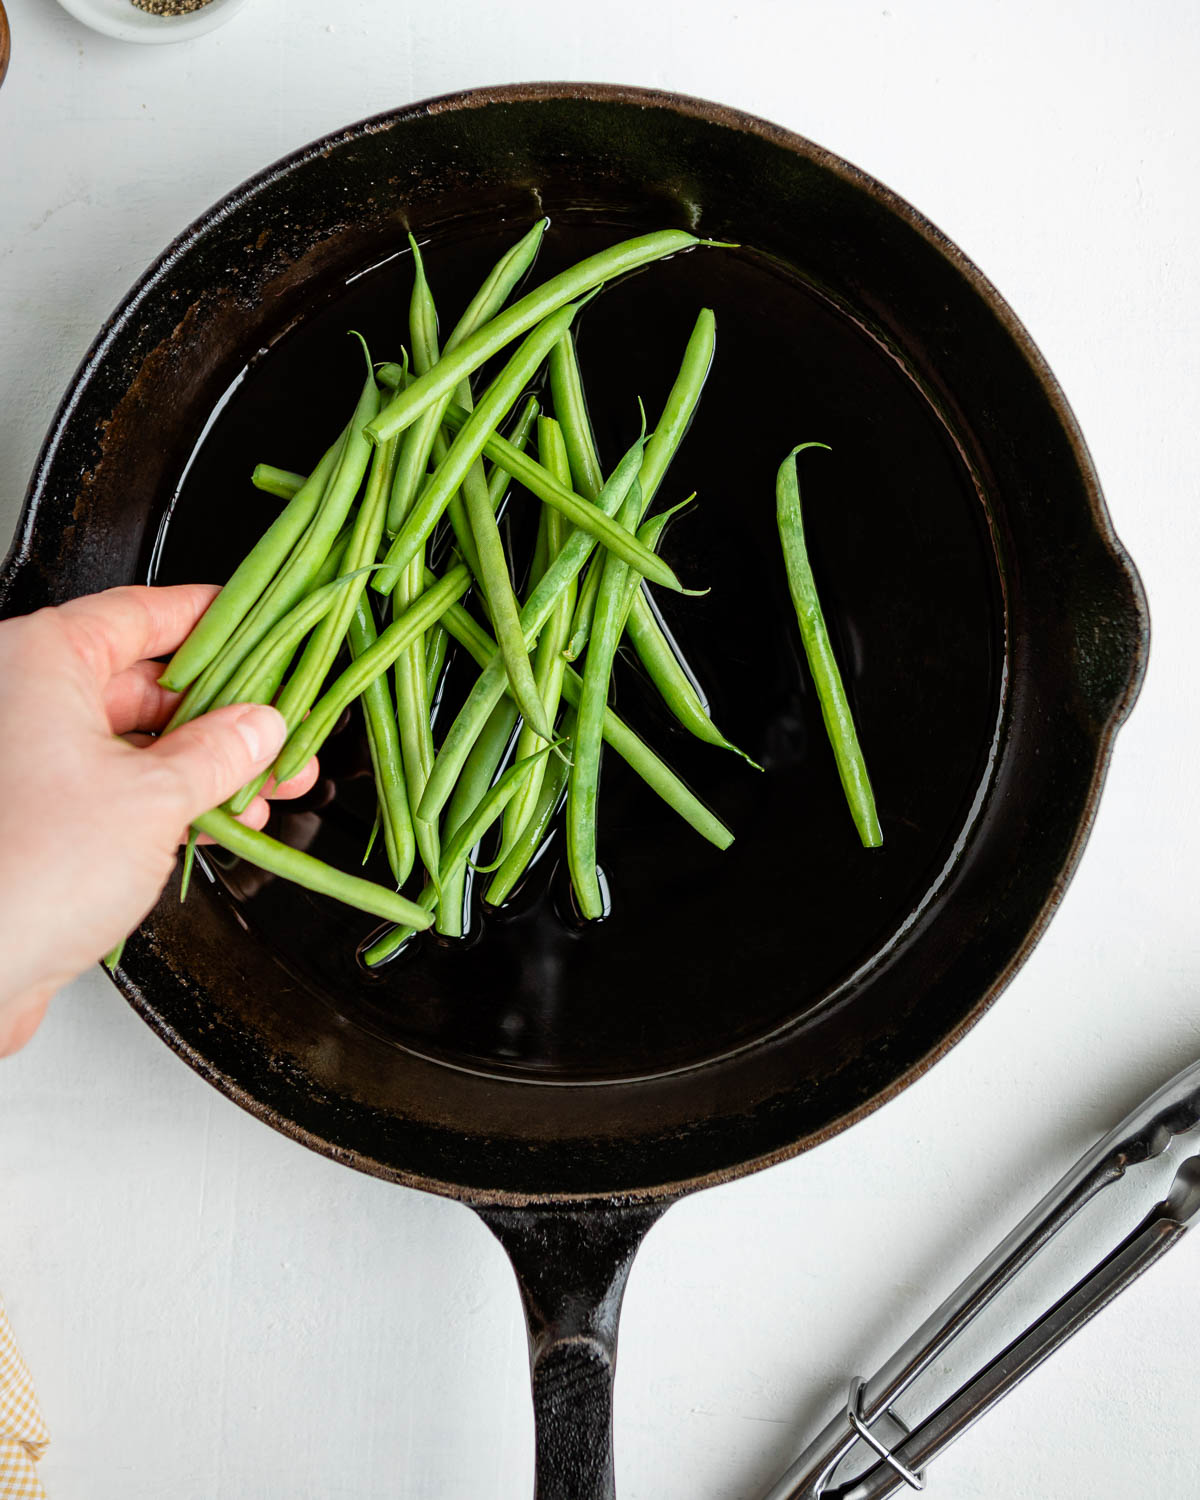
(123, 20)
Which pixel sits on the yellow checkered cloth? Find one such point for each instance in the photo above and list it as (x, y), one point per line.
(23, 1435)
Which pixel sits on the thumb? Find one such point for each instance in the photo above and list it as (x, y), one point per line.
(214, 755)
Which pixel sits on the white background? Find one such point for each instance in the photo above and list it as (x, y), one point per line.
(211, 1311)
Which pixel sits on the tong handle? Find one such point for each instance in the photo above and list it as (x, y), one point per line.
(1173, 1111)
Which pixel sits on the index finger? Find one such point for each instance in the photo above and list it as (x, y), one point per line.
(115, 629)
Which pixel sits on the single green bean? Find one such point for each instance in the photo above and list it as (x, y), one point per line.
(831, 694)
(436, 643)
(458, 851)
(537, 825)
(531, 310)
(412, 704)
(472, 786)
(249, 579)
(680, 406)
(585, 609)
(502, 280)
(583, 784)
(678, 692)
(499, 479)
(112, 959)
(654, 771)
(383, 743)
(376, 825)
(570, 407)
(548, 663)
(189, 862)
(302, 869)
(294, 579)
(272, 481)
(490, 687)
(417, 443)
(681, 403)
(307, 736)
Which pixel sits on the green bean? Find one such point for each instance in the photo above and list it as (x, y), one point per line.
(585, 609)
(502, 280)
(537, 609)
(249, 579)
(189, 861)
(494, 578)
(482, 764)
(286, 483)
(497, 484)
(654, 771)
(831, 694)
(259, 676)
(680, 406)
(476, 428)
(376, 825)
(468, 835)
(566, 383)
(583, 514)
(294, 579)
(272, 481)
(307, 736)
(661, 447)
(570, 407)
(499, 479)
(531, 310)
(417, 443)
(554, 780)
(486, 303)
(678, 692)
(548, 663)
(412, 705)
(383, 743)
(300, 690)
(583, 784)
(302, 869)
(112, 959)
(436, 642)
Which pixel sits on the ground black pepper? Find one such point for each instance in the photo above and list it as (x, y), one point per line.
(170, 7)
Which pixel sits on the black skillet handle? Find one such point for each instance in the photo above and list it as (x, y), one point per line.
(572, 1263)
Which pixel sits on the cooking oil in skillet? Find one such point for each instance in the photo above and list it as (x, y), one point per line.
(702, 951)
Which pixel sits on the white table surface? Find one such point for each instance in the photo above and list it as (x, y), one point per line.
(208, 1309)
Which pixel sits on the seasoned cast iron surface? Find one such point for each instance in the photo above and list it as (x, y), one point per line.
(734, 1008)
(703, 950)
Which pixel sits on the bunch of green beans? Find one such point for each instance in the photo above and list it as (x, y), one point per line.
(400, 564)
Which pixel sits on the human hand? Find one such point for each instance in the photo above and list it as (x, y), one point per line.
(90, 825)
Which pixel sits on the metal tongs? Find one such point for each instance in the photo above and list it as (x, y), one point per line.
(1174, 1111)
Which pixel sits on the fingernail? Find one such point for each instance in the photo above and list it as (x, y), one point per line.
(263, 731)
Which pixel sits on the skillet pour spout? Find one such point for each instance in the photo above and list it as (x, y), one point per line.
(993, 633)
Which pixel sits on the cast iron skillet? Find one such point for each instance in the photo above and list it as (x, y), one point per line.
(734, 1009)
